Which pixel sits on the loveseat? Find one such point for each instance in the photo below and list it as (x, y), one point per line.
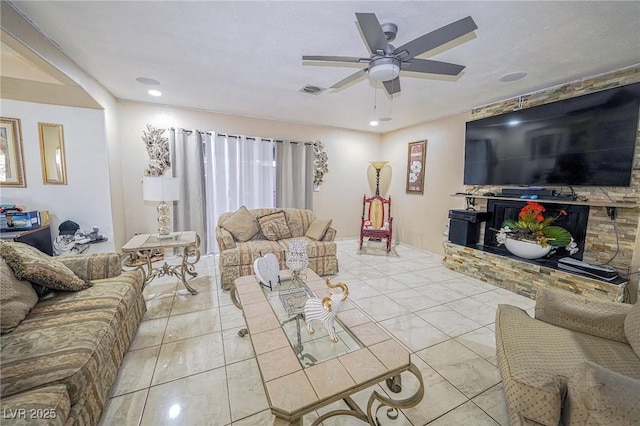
(245, 235)
(60, 353)
(576, 363)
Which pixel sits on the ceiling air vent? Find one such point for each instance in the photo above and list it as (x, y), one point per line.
(312, 90)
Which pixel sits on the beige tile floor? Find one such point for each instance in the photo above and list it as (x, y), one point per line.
(188, 366)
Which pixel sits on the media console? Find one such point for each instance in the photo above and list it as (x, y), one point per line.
(553, 199)
(498, 267)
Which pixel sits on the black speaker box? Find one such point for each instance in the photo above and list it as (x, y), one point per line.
(463, 233)
(464, 226)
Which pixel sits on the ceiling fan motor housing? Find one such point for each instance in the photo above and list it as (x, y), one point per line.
(384, 69)
(390, 30)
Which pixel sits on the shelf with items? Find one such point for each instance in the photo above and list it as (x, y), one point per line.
(554, 200)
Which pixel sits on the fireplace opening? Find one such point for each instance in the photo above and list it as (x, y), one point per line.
(575, 222)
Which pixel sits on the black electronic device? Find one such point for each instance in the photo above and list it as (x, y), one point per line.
(604, 272)
(517, 192)
(587, 140)
(464, 226)
(472, 216)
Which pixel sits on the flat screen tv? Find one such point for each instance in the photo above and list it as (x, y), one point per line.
(588, 140)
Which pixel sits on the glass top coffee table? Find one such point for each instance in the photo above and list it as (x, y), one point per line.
(302, 372)
(143, 247)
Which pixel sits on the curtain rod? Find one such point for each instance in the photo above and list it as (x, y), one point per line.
(240, 136)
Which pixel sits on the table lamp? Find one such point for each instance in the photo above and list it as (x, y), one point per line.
(162, 189)
(378, 165)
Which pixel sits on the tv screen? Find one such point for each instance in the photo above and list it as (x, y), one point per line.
(588, 140)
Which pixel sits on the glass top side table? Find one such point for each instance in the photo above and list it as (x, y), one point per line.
(144, 247)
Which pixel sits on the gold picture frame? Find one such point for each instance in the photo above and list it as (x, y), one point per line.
(52, 158)
(415, 167)
(11, 158)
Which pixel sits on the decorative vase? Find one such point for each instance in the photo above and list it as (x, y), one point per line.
(296, 258)
(526, 249)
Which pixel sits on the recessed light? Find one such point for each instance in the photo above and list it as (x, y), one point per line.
(373, 123)
(154, 92)
(513, 76)
(148, 81)
(513, 122)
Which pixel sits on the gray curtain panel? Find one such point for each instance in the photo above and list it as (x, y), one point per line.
(294, 175)
(188, 165)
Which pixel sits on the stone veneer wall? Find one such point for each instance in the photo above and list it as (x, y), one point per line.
(523, 277)
(600, 244)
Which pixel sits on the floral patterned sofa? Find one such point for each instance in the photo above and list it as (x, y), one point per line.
(60, 353)
(245, 235)
(576, 363)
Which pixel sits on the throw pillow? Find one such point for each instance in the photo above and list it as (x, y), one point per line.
(17, 298)
(318, 228)
(632, 328)
(274, 226)
(598, 396)
(29, 263)
(241, 224)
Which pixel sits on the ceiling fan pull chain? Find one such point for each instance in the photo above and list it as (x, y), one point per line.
(375, 96)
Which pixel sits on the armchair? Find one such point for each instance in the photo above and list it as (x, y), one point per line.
(576, 363)
(377, 222)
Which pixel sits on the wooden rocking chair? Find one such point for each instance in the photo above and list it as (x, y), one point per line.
(377, 222)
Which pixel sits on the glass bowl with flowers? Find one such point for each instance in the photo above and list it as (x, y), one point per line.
(532, 235)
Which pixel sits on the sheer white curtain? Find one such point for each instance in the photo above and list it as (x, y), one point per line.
(294, 171)
(239, 171)
(189, 210)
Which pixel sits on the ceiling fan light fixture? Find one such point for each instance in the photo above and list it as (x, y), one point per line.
(384, 69)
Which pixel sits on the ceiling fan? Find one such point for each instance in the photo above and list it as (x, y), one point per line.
(386, 61)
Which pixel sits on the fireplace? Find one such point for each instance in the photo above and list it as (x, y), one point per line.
(575, 222)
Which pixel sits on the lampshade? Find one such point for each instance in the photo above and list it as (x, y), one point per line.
(159, 188)
(384, 69)
(378, 165)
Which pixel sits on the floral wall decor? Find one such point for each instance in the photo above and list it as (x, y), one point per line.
(415, 167)
(158, 150)
(320, 163)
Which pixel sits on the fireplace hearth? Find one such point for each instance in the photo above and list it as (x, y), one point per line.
(575, 222)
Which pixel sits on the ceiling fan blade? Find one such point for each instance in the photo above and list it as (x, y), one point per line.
(392, 86)
(372, 31)
(352, 77)
(431, 67)
(437, 38)
(336, 59)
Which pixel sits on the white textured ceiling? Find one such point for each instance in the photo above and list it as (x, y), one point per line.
(244, 58)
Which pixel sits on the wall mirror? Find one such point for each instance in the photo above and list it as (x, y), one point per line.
(11, 160)
(54, 171)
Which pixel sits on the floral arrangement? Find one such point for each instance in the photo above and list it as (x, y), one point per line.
(532, 226)
(320, 164)
(158, 150)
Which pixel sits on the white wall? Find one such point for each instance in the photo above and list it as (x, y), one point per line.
(339, 198)
(85, 199)
(420, 220)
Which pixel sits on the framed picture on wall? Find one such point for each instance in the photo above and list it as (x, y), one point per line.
(415, 167)
(11, 160)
